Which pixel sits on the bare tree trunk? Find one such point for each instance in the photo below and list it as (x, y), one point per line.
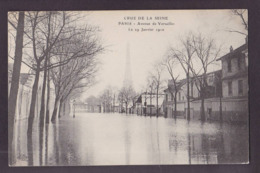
(202, 111)
(220, 109)
(175, 105)
(126, 107)
(15, 82)
(48, 98)
(33, 100)
(203, 118)
(64, 107)
(150, 104)
(157, 104)
(188, 95)
(61, 103)
(42, 111)
(54, 113)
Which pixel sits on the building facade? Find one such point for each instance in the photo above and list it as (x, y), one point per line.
(145, 104)
(211, 98)
(235, 84)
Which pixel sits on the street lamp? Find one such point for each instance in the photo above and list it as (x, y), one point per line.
(74, 108)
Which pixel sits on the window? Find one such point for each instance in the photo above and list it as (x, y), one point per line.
(166, 97)
(171, 97)
(230, 88)
(240, 87)
(179, 95)
(229, 65)
(239, 63)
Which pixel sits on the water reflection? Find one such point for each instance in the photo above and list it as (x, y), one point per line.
(114, 139)
(46, 143)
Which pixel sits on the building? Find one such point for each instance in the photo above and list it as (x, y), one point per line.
(145, 104)
(226, 93)
(235, 84)
(211, 98)
(169, 99)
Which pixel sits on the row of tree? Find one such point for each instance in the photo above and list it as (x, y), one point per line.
(111, 96)
(195, 54)
(57, 47)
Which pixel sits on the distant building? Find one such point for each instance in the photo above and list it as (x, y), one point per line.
(145, 104)
(93, 105)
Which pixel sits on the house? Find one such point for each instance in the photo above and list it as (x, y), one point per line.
(235, 84)
(226, 93)
(169, 99)
(213, 92)
(145, 104)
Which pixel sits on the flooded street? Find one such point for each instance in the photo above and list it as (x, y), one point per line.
(118, 139)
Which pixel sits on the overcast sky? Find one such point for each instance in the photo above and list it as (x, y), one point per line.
(147, 48)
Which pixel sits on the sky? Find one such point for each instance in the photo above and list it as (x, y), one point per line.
(149, 47)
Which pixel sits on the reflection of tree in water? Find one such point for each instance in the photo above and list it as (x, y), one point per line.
(46, 142)
(189, 143)
(127, 141)
(56, 143)
(205, 147)
(30, 148)
(68, 137)
(233, 144)
(41, 131)
(158, 141)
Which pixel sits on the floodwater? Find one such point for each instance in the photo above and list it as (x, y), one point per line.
(119, 139)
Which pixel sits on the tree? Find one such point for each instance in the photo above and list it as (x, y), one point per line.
(151, 90)
(39, 40)
(206, 54)
(242, 14)
(184, 56)
(79, 73)
(156, 78)
(15, 81)
(107, 99)
(125, 96)
(170, 63)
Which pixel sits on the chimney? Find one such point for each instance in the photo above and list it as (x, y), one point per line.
(231, 49)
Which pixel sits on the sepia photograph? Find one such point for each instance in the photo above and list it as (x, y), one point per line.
(128, 87)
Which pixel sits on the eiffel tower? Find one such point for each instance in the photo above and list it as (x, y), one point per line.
(128, 72)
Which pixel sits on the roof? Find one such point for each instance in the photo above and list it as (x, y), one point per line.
(235, 52)
(139, 100)
(183, 81)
